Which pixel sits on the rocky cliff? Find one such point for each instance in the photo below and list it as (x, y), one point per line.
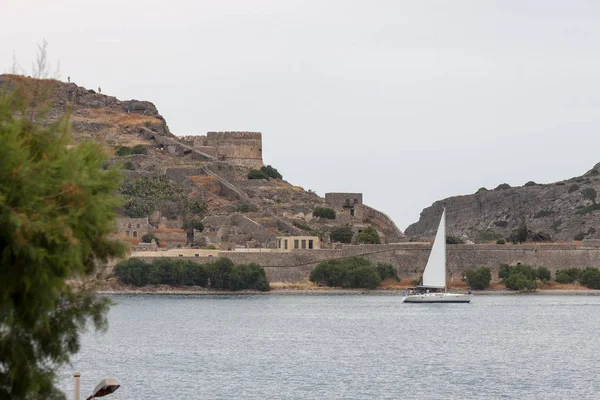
(174, 178)
(563, 211)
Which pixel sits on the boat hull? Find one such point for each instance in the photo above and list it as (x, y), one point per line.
(438, 298)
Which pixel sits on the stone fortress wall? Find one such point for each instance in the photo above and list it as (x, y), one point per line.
(410, 258)
(237, 148)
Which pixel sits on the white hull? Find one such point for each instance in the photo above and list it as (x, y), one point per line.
(438, 298)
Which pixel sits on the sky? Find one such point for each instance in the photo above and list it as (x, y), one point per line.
(408, 102)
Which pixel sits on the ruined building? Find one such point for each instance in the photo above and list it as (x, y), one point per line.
(237, 148)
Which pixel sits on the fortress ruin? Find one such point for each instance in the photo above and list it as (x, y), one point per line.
(238, 148)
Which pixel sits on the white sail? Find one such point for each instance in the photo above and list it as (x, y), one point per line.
(435, 271)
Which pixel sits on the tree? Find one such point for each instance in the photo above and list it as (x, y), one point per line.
(41, 67)
(271, 172)
(324, 212)
(368, 236)
(57, 208)
(502, 186)
(543, 274)
(257, 174)
(342, 234)
(478, 279)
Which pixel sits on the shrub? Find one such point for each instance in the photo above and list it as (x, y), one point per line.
(353, 272)
(590, 277)
(543, 274)
(245, 207)
(569, 275)
(588, 209)
(123, 151)
(543, 213)
(531, 183)
(257, 174)
(573, 188)
(271, 172)
(139, 149)
(555, 225)
(220, 274)
(489, 235)
(579, 236)
(481, 190)
(324, 212)
(519, 235)
(453, 240)
(193, 224)
(387, 271)
(368, 236)
(519, 277)
(589, 194)
(502, 186)
(501, 224)
(129, 165)
(539, 236)
(342, 234)
(479, 279)
(520, 282)
(149, 237)
(500, 241)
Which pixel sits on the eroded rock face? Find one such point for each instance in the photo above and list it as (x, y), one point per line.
(565, 210)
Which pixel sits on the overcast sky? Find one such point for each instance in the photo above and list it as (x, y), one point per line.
(407, 102)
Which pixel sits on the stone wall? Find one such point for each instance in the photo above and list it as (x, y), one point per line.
(134, 227)
(238, 148)
(339, 200)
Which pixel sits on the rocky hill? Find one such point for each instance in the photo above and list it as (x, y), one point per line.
(170, 180)
(561, 211)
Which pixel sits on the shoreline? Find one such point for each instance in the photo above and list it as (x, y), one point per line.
(174, 290)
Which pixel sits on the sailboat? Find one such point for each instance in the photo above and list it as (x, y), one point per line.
(434, 276)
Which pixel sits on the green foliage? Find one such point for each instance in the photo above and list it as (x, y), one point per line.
(126, 151)
(539, 236)
(257, 174)
(146, 195)
(501, 223)
(500, 241)
(593, 172)
(342, 234)
(324, 212)
(129, 165)
(453, 240)
(193, 224)
(489, 235)
(481, 190)
(573, 188)
(311, 231)
(57, 208)
(579, 236)
(271, 172)
(502, 186)
(531, 183)
(219, 274)
(149, 237)
(589, 194)
(555, 225)
(588, 209)
(478, 279)
(245, 207)
(519, 235)
(569, 275)
(387, 271)
(543, 274)
(590, 277)
(368, 236)
(519, 277)
(543, 213)
(353, 272)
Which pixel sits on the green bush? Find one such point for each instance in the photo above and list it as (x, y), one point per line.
(129, 165)
(531, 183)
(342, 234)
(193, 224)
(520, 282)
(543, 274)
(589, 194)
(122, 151)
(590, 277)
(387, 271)
(271, 172)
(580, 236)
(453, 240)
(257, 174)
(588, 209)
(219, 274)
(481, 190)
(500, 241)
(149, 237)
(539, 236)
(353, 272)
(519, 277)
(543, 213)
(324, 212)
(245, 207)
(489, 235)
(368, 236)
(478, 279)
(519, 235)
(569, 275)
(139, 149)
(573, 188)
(502, 186)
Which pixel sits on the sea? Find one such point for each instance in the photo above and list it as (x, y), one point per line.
(271, 346)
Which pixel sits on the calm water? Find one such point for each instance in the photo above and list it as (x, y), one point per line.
(345, 347)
